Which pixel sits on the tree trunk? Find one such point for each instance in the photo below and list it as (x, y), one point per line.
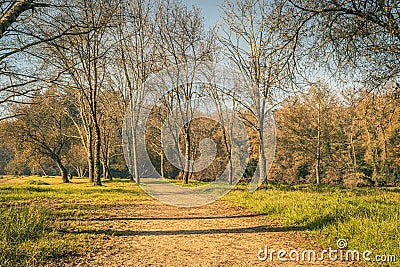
(109, 172)
(106, 170)
(186, 171)
(97, 165)
(135, 159)
(162, 171)
(63, 170)
(353, 154)
(228, 151)
(263, 167)
(105, 174)
(42, 169)
(80, 171)
(107, 162)
(372, 150)
(106, 158)
(90, 159)
(262, 159)
(318, 163)
(317, 171)
(162, 164)
(318, 152)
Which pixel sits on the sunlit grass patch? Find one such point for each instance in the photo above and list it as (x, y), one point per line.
(28, 237)
(34, 211)
(368, 218)
(79, 189)
(191, 183)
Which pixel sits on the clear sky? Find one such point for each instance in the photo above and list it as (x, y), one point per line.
(210, 9)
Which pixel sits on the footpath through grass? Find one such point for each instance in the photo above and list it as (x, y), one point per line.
(368, 218)
(33, 210)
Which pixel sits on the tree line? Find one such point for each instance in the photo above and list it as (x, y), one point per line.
(328, 71)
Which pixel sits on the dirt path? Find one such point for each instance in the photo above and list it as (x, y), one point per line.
(154, 234)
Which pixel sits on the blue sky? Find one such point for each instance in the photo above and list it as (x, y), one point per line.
(210, 9)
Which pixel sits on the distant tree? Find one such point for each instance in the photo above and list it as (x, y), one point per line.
(76, 159)
(310, 141)
(6, 149)
(135, 60)
(43, 129)
(379, 114)
(82, 64)
(112, 110)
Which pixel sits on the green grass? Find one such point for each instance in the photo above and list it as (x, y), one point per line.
(117, 190)
(192, 183)
(368, 218)
(32, 213)
(27, 239)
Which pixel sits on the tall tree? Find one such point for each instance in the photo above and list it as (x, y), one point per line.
(254, 43)
(182, 39)
(135, 61)
(83, 61)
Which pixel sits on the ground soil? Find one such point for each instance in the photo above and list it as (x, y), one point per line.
(151, 233)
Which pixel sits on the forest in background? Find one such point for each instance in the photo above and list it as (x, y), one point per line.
(69, 71)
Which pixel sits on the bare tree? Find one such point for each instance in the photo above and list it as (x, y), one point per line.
(83, 61)
(253, 42)
(357, 39)
(25, 26)
(135, 61)
(182, 39)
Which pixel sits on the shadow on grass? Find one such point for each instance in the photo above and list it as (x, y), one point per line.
(110, 190)
(244, 230)
(315, 188)
(391, 189)
(37, 189)
(28, 189)
(321, 222)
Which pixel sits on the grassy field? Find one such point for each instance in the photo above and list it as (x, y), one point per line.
(32, 211)
(367, 218)
(33, 208)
